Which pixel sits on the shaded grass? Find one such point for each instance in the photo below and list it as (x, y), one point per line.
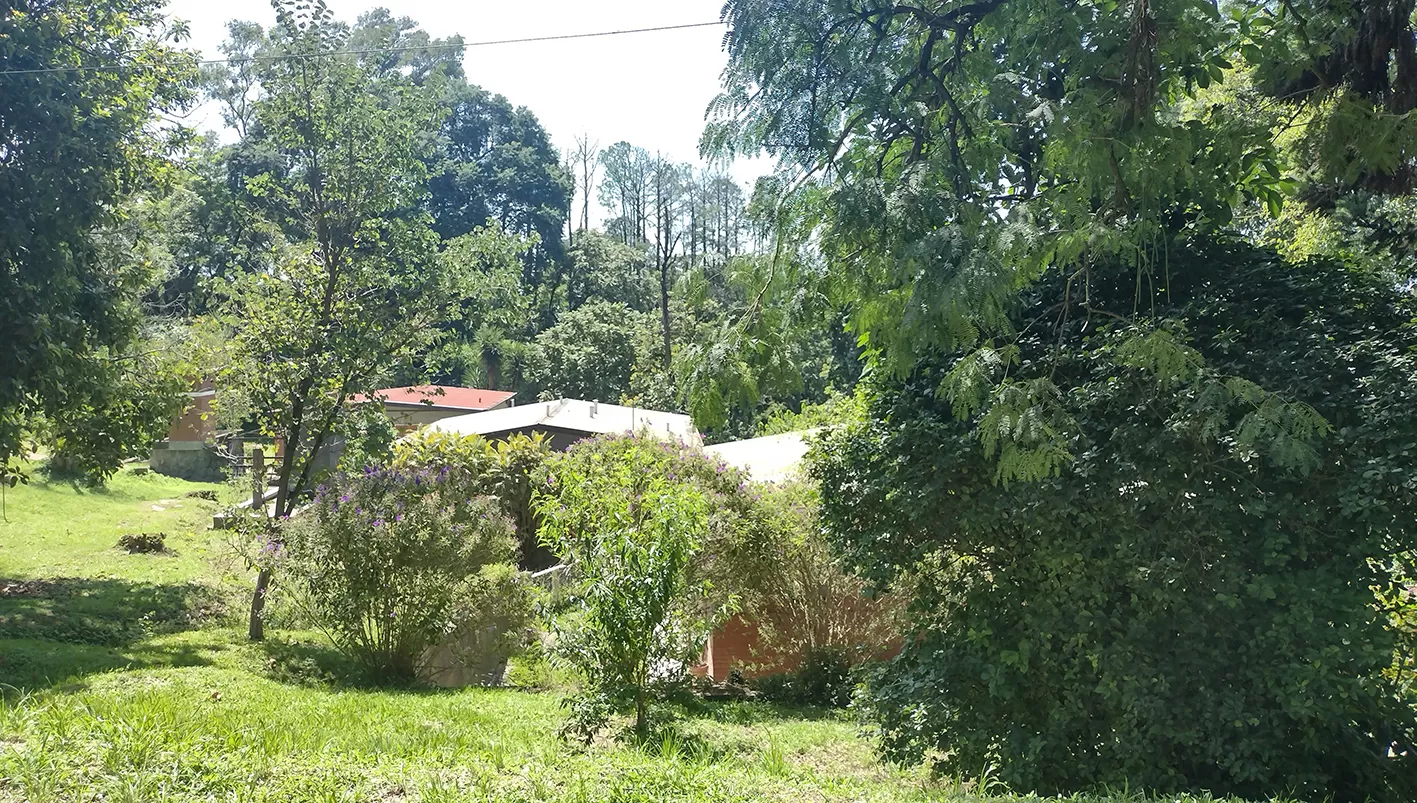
(108, 612)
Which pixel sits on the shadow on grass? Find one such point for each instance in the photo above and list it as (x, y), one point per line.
(35, 664)
(754, 712)
(62, 629)
(304, 662)
(101, 612)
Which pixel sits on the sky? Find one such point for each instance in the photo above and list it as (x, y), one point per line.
(650, 89)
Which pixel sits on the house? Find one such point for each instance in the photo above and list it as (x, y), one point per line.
(565, 421)
(774, 458)
(415, 407)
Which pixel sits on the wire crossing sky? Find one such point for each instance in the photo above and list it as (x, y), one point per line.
(651, 89)
(366, 51)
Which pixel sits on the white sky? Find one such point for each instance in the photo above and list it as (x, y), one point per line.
(650, 89)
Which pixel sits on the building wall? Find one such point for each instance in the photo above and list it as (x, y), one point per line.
(196, 422)
(193, 461)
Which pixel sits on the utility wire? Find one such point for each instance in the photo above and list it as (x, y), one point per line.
(368, 51)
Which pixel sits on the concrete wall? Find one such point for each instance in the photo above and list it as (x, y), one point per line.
(189, 460)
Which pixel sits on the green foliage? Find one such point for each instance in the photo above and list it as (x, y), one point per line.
(769, 334)
(598, 267)
(940, 161)
(354, 289)
(369, 438)
(838, 408)
(77, 142)
(631, 535)
(495, 162)
(588, 354)
(806, 607)
(390, 563)
(504, 470)
(1188, 602)
(824, 678)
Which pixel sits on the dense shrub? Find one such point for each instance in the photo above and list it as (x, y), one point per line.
(824, 677)
(735, 539)
(143, 543)
(391, 563)
(479, 467)
(805, 605)
(631, 533)
(1190, 602)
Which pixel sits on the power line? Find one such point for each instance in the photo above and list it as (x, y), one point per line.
(370, 51)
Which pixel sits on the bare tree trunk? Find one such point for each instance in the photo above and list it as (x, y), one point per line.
(256, 629)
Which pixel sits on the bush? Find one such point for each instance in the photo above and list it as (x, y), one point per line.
(1185, 605)
(804, 604)
(143, 543)
(391, 563)
(825, 678)
(735, 537)
(479, 467)
(631, 535)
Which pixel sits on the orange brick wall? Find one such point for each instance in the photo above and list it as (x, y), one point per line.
(736, 644)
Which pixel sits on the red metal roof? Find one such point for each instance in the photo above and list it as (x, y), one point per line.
(444, 397)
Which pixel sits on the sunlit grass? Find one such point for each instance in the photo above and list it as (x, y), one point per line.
(66, 530)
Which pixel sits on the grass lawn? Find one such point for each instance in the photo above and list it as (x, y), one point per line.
(65, 530)
(127, 678)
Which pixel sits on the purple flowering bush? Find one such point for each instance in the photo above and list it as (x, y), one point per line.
(391, 563)
(502, 469)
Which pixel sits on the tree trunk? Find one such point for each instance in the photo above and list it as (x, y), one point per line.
(256, 631)
(664, 313)
(641, 721)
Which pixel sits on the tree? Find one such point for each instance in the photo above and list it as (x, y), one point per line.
(586, 158)
(600, 267)
(482, 343)
(357, 289)
(625, 189)
(632, 535)
(495, 162)
(1180, 608)
(235, 82)
(83, 85)
(668, 181)
(953, 157)
(588, 354)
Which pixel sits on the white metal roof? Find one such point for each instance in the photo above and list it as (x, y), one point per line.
(769, 459)
(574, 415)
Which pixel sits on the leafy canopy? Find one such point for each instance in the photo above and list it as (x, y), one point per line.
(1178, 609)
(76, 138)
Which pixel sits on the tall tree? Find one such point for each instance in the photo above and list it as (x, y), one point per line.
(586, 157)
(495, 162)
(81, 88)
(625, 189)
(667, 179)
(355, 288)
(956, 154)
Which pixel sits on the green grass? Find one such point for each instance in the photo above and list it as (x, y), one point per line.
(221, 732)
(124, 678)
(65, 530)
